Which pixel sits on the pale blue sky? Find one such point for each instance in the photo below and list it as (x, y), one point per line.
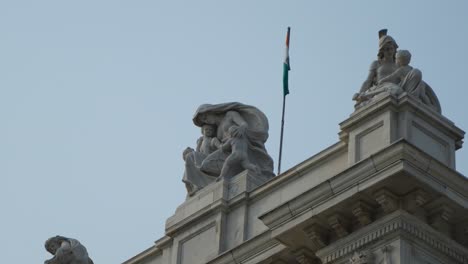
(96, 99)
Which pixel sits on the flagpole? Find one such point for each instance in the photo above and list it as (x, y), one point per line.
(286, 69)
(281, 136)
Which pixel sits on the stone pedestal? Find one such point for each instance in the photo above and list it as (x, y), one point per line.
(213, 220)
(388, 119)
(399, 201)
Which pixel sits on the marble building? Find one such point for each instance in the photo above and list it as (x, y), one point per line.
(386, 192)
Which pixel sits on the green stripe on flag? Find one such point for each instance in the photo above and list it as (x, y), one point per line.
(285, 78)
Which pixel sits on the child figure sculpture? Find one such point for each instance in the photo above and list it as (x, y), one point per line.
(238, 159)
(394, 82)
(403, 58)
(208, 143)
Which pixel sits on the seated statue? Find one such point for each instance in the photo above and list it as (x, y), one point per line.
(395, 77)
(66, 251)
(249, 127)
(392, 83)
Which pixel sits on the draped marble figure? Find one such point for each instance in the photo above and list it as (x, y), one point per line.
(66, 251)
(239, 127)
(381, 70)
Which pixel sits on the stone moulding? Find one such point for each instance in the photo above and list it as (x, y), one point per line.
(252, 251)
(348, 179)
(153, 251)
(399, 222)
(400, 156)
(299, 170)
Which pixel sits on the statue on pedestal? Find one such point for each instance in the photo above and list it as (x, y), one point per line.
(391, 73)
(235, 142)
(66, 251)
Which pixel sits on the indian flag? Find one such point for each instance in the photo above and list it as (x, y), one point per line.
(286, 66)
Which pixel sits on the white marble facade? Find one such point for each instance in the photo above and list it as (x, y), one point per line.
(387, 192)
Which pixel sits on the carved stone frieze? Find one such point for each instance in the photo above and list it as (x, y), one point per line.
(401, 222)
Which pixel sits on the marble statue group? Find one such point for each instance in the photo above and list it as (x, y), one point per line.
(391, 73)
(233, 140)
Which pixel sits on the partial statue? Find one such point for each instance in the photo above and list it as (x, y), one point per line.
(66, 251)
(233, 140)
(391, 73)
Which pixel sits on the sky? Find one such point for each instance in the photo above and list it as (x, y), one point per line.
(97, 99)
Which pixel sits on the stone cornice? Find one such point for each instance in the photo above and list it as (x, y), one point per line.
(252, 251)
(211, 209)
(397, 160)
(398, 157)
(348, 180)
(150, 252)
(299, 169)
(397, 222)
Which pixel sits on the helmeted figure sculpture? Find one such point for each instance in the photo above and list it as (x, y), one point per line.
(66, 251)
(241, 133)
(379, 81)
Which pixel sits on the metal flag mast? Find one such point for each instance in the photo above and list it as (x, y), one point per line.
(286, 69)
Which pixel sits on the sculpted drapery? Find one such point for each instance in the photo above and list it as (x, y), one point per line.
(384, 66)
(248, 123)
